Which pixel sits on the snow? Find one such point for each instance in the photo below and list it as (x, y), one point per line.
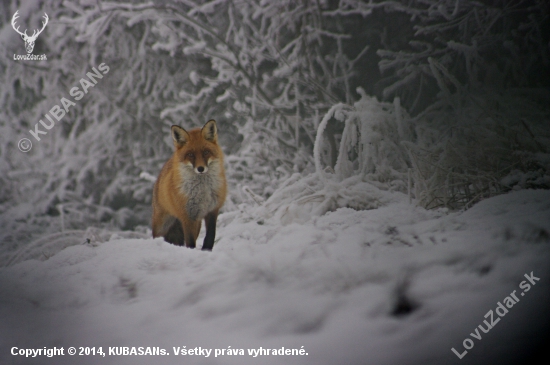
(331, 284)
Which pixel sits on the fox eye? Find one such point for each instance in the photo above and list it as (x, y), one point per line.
(190, 155)
(206, 153)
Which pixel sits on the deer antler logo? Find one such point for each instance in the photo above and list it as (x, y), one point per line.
(29, 41)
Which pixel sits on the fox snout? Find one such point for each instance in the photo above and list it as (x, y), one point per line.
(201, 169)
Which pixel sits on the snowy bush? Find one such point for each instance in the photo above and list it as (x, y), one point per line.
(472, 74)
(370, 164)
(478, 146)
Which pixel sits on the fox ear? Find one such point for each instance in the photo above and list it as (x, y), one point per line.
(179, 135)
(210, 131)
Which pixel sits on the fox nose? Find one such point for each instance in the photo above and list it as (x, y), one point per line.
(201, 169)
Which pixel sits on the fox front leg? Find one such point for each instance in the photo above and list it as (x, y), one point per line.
(210, 222)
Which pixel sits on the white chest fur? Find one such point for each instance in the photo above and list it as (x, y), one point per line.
(201, 190)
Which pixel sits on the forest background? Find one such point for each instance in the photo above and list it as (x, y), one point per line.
(446, 101)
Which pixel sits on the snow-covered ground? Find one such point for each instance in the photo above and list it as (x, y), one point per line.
(393, 285)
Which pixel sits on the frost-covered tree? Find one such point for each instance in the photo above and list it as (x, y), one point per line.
(476, 76)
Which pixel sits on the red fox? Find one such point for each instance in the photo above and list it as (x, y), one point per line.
(191, 186)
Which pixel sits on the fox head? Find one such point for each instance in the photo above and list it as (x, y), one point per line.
(197, 149)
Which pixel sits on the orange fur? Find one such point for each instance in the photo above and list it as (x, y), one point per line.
(191, 187)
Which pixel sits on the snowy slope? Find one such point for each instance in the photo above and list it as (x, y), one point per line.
(393, 285)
